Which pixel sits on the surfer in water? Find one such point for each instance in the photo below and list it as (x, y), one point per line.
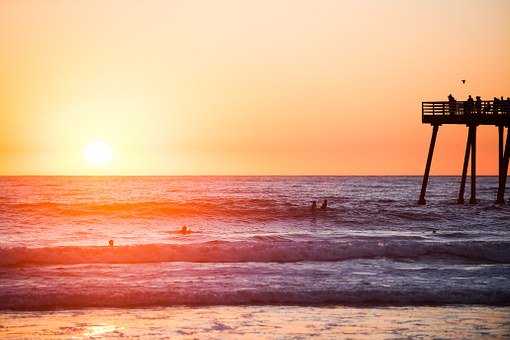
(184, 230)
(324, 205)
(110, 243)
(314, 206)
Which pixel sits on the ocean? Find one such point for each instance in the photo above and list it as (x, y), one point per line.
(255, 243)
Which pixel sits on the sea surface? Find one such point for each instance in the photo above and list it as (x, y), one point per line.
(255, 242)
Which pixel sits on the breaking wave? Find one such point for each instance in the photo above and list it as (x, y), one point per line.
(272, 250)
(133, 298)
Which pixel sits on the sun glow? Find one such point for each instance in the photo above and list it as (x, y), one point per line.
(98, 153)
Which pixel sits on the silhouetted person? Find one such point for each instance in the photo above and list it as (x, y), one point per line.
(504, 105)
(314, 206)
(478, 105)
(324, 205)
(110, 243)
(183, 231)
(469, 105)
(495, 106)
(452, 104)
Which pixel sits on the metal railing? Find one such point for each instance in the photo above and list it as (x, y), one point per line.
(485, 107)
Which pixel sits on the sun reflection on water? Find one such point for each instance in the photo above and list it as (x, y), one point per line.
(99, 330)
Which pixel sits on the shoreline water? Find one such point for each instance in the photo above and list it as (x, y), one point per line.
(220, 322)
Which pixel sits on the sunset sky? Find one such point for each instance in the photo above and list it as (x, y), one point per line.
(244, 87)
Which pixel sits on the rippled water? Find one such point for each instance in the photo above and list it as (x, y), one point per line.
(261, 322)
(255, 240)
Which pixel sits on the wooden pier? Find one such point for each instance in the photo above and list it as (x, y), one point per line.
(471, 114)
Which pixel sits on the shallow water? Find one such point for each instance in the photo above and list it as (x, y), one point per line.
(254, 241)
(281, 322)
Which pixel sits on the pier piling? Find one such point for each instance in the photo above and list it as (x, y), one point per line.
(504, 170)
(435, 129)
(460, 200)
(472, 199)
(501, 130)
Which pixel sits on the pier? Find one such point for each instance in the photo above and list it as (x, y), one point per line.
(472, 114)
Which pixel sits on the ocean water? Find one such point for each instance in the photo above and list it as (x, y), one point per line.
(254, 241)
(260, 322)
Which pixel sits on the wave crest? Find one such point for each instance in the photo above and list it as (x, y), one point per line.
(257, 251)
(252, 208)
(103, 298)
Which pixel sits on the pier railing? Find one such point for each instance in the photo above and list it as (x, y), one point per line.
(462, 107)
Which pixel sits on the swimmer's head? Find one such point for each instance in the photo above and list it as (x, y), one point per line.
(110, 243)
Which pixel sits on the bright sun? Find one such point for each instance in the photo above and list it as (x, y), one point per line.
(98, 153)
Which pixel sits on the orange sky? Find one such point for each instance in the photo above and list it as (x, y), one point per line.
(244, 87)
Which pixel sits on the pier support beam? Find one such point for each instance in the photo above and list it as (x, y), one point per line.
(504, 159)
(500, 198)
(460, 200)
(435, 129)
(472, 199)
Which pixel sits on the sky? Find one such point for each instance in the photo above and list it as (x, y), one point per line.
(266, 87)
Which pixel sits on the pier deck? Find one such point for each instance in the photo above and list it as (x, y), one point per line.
(439, 113)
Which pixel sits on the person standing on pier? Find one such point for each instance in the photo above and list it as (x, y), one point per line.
(495, 105)
(452, 104)
(478, 105)
(506, 105)
(469, 105)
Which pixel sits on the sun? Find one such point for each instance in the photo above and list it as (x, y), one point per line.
(97, 153)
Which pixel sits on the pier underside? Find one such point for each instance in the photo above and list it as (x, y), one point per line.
(497, 120)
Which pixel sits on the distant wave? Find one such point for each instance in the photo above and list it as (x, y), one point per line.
(226, 207)
(262, 250)
(110, 297)
(253, 208)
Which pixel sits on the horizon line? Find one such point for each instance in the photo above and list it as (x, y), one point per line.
(238, 175)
